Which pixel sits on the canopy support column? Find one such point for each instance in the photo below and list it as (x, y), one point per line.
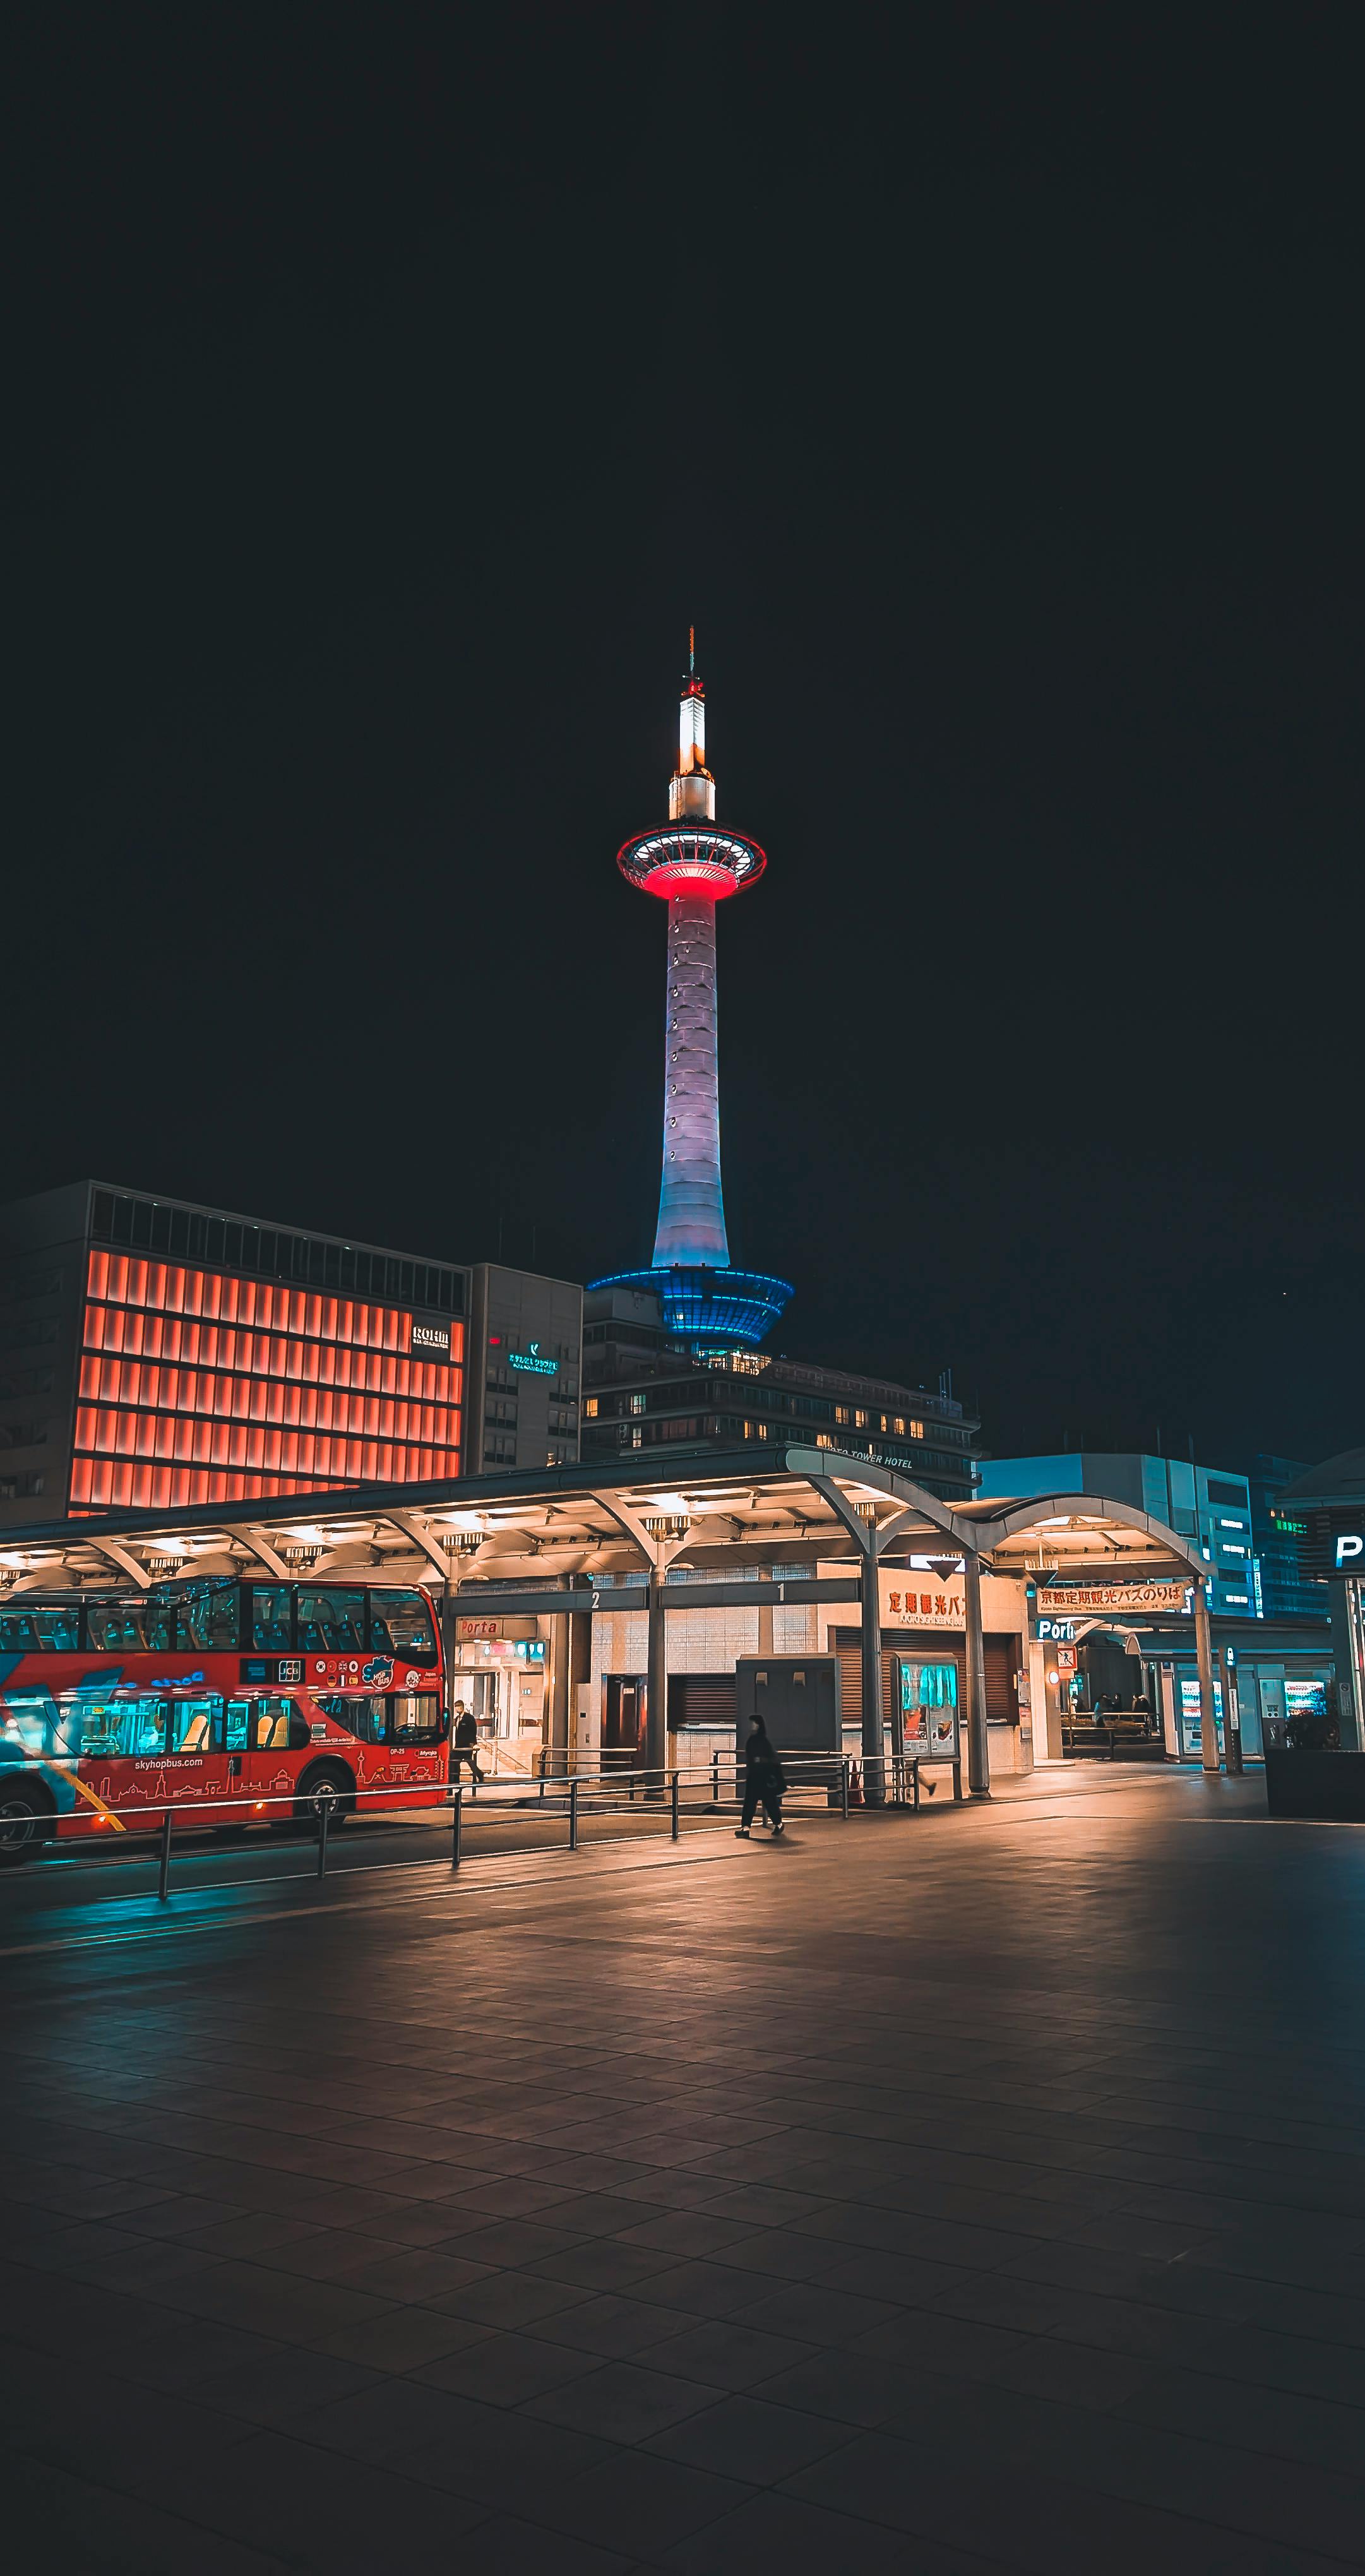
(978, 1743)
(1203, 1647)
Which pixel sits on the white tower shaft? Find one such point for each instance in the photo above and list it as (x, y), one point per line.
(691, 1227)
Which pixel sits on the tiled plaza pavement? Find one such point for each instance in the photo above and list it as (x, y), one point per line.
(986, 2192)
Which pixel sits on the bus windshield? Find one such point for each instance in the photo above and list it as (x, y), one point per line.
(401, 1621)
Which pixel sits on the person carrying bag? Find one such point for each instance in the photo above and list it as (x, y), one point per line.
(762, 1780)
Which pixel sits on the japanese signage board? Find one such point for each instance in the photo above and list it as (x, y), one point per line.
(912, 1598)
(1070, 1599)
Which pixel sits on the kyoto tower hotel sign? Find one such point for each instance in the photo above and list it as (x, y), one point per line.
(692, 864)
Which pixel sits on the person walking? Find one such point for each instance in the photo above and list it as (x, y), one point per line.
(464, 1744)
(762, 1780)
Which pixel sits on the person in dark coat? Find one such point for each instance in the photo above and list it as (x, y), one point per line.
(762, 1779)
(464, 1744)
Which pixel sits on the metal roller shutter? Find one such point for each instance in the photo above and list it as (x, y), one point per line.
(1002, 1663)
(701, 1699)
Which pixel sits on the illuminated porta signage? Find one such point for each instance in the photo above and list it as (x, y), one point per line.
(431, 1337)
(531, 1362)
(1070, 1599)
(1350, 1556)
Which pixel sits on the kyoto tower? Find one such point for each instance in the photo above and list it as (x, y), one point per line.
(692, 865)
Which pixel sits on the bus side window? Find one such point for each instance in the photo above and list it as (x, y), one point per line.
(96, 1728)
(142, 1728)
(331, 1621)
(271, 1623)
(272, 1725)
(208, 1613)
(115, 1627)
(362, 1717)
(58, 1630)
(197, 1725)
(238, 1724)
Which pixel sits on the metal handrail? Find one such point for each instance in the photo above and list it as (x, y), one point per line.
(839, 1777)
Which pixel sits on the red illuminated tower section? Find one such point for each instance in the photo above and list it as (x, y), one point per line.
(692, 863)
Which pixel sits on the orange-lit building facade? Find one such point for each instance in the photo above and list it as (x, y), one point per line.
(134, 1374)
(198, 1387)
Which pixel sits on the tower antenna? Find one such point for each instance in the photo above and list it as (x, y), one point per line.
(691, 648)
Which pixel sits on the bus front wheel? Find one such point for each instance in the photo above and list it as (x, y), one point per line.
(327, 1785)
(25, 1822)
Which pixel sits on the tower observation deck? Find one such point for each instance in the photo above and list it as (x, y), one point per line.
(693, 863)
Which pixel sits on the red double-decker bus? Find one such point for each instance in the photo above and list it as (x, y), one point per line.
(222, 1696)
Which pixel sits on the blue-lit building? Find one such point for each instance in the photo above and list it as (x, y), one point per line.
(1290, 1587)
(1212, 1504)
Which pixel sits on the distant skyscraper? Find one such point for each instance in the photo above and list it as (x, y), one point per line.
(692, 865)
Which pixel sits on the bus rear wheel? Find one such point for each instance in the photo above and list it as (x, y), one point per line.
(327, 1785)
(25, 1822)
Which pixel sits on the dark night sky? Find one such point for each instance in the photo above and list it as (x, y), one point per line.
(387, 395)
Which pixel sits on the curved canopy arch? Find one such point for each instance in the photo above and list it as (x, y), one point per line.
(1085, 1524)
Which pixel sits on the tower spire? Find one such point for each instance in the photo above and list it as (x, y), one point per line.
(692, 789)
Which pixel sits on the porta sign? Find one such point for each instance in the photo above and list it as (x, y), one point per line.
(1351, 1553)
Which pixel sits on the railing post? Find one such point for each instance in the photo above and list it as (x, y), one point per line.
(715, 1779)
(164, 1888)
(323, 1806)
(843, 1767)
(676, 1826)
(456, 1820)
(573, 1813)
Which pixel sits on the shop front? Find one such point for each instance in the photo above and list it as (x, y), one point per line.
(498, 1670)
(1274, 1685)
(1118, 1670)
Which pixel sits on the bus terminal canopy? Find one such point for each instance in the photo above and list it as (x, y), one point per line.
(734, 1517)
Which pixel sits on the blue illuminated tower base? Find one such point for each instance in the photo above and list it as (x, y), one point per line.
(712, 1310)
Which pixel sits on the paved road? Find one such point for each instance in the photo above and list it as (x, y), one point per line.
(63, 1875)
(981, 2195)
